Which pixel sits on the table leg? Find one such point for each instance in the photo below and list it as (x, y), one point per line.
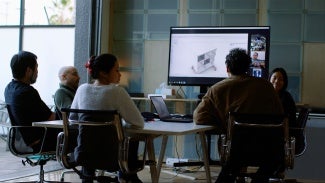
(162, 154)
(205, 156)
(152, 158)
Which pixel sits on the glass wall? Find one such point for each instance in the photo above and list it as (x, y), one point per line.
(136, 23)
(293, 23)
(141, 21)
(44, 27)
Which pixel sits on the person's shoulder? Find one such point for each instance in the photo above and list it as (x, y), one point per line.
(263, 81)
(62, 91)
(225, 83)
(117, 88)
(21, 87)
(258, 79)
(286, 94)
(17, 84)
(84, 85)
(59, 90)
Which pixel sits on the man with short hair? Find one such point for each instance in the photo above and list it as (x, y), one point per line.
(238, 93)
(25, 102)
(69, 82)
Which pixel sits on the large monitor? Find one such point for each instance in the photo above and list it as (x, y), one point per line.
(197, 54)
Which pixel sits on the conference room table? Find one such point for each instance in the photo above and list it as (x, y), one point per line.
(156, 129)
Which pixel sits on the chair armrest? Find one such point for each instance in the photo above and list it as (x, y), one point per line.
(89, 123)
(294, 128)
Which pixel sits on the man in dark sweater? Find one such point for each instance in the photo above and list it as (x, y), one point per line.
(25, 103)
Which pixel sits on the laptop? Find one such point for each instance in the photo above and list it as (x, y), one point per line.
(163, 113)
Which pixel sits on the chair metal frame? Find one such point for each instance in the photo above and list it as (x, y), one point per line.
(32, 158)
(19, 148)
(302, 119)
(5, 125)
(64, 148)
(227, 143)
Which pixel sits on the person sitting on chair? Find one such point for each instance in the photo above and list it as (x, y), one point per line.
(105, 94)
(69, 82)
(238, 93)
(279, 80)
(25, 103)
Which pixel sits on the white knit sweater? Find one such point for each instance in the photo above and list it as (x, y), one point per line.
(108, 97)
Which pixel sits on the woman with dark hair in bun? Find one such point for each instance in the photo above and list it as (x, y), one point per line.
(105, 94)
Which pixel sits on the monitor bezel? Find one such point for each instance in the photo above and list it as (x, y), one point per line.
(209, 81)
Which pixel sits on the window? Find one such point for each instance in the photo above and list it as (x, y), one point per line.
(44, 27)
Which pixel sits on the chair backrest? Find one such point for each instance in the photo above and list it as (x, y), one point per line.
(4, 117)
(19, 141)
(4, 124)
(11, 116)
(299, 131)
(100, 134)
(255, 140)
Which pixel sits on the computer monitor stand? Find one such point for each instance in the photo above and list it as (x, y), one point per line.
(203, 91)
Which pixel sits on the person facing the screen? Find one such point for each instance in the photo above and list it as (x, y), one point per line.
(105, 94)
(238, 93)
(256, 62)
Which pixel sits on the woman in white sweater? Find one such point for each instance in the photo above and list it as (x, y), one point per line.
(105, 94)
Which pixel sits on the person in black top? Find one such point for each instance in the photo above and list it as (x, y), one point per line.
(279, 80)
(25, 103)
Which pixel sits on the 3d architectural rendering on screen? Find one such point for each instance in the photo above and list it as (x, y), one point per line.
(205, 61)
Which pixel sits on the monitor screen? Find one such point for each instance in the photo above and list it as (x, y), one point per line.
(197, 54)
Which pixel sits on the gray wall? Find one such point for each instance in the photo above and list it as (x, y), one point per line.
(82, 37)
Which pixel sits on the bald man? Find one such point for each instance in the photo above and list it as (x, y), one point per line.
(69, 82)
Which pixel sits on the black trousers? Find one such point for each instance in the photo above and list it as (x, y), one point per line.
(133, 161)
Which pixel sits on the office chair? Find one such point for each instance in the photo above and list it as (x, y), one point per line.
(18, 147)
(256, 141)
(105, 147)
(299, 134)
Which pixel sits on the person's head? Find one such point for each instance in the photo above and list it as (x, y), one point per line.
(69, 76)
(24, 67)
(104, 67)
(279, 79)
(237, 61)
(255, 56)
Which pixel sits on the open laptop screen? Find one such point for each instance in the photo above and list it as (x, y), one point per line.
(160, 106)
